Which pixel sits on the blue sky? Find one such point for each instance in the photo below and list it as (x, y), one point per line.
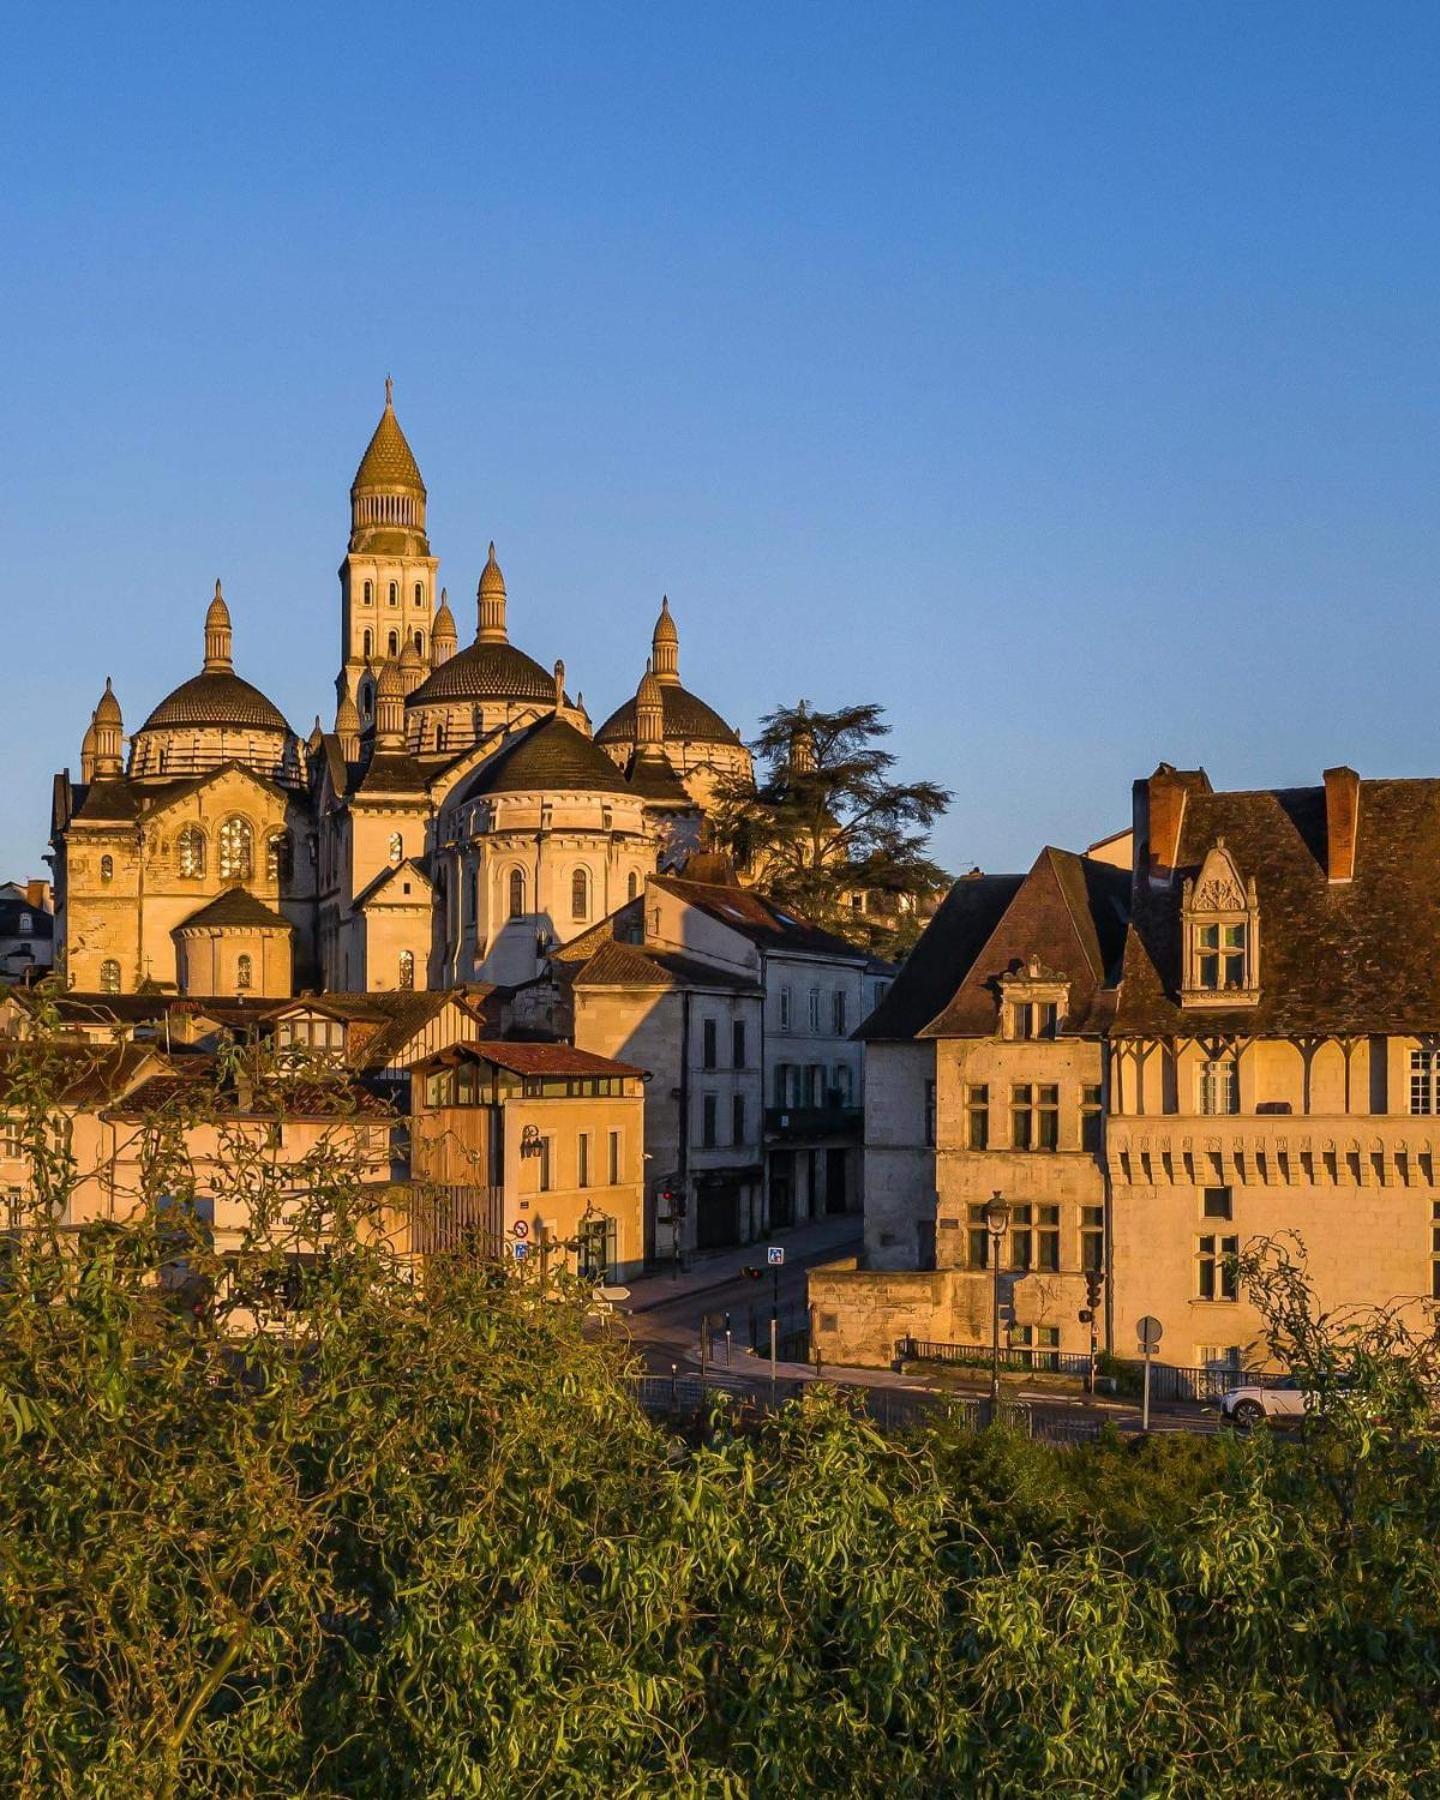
(1061, 376)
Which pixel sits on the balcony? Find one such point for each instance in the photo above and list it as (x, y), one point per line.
(799, 1124)
(1275, 1150)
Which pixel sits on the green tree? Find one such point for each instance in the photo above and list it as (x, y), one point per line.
(824, 818)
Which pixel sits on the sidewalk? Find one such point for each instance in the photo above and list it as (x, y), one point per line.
(819, 1240)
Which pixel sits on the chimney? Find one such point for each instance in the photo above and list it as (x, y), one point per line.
(37, 894)
(1342, 822)
(1159, 808)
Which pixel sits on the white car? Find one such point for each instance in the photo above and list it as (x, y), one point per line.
(1286, 1402)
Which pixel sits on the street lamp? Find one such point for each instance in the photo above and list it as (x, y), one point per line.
(997, 1217)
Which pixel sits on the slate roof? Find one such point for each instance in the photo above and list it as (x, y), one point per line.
(236, 907)
(1358, 956)
(220, 697)
(112, 798)
(548, 755)
(770, 926)
(687, 716)
(42, 923)
(486, 672)
(392, 772)
(941, 958)
(1070, 912)
(616, 964)
(533, 1059)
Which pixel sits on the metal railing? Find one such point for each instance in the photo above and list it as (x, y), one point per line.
(1022, 1359)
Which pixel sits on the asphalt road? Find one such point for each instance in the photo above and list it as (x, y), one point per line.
(666, 1333)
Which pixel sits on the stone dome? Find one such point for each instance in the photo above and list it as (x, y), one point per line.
(687, 718)
(216, 698)
(496, 671)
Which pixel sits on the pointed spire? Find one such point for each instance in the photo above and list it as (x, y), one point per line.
(490, 599)
(109, 733)
(443, 640)
(559, 685)
(390, 708)
(649, 709)
(389, 394)
(388, 494)
(665, 647)
(347, 727)
(217, 635)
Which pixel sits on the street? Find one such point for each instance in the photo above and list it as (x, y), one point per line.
(664, 1314)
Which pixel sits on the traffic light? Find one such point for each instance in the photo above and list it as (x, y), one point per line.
(1094, 1282)
(751, 1273)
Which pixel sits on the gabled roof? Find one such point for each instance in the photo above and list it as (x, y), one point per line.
(392, 772)
(628, 966)
(1070, 913)
(532, 1059)
(767, 925)
(78, 1075)
(109, 799)
(1347, 957)
(239, 908)
(392, 874)
(42, 923)
(942, 957)
(624, 924)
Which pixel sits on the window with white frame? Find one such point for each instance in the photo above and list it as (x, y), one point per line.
(1425, 1081)
(1219, 1086)
(814, 1009)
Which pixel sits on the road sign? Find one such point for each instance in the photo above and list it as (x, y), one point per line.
(521, 1228)
(775, 1255)
(1149, 1331)
(613, 1295)
(521, 1251)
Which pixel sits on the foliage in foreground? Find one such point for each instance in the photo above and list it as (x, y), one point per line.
(425, 1544)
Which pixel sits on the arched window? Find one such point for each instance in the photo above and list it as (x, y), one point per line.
(237, 850)
(419, 593)
(369, 593)
(279, 856)
(191, 850)
(394, 593)
(107, 868)
(27, 925)
(517, 893)
(420, 642)
(397, 848)
(407, 968)
(394, 641)
(244, 970)
(632, 886)
(109, 976)
(369, 644)
(580, 894)
(367, 698)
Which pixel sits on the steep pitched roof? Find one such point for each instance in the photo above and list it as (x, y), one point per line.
(392, 772)
(77, 1075)
(391, 875)
(1069, 912)
(770, 926)
(1358, 956)
(940, 960)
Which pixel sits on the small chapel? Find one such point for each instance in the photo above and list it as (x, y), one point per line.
(458, 823)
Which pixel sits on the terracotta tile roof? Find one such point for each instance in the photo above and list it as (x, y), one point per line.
(1358, 956)
(940, 960)
(534, 1059)
(333, 1097)
(1070, 912)
(77, 1075)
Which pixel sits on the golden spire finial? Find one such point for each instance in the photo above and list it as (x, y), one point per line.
(389, 391)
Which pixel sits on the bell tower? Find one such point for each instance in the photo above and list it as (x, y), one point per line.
(388, 597)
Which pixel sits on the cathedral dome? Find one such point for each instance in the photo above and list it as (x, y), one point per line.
(686, 717)
(487, 672)
(549, 756)
(108, 711)
(216, 698)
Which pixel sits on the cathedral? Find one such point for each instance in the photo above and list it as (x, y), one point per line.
(459, 822)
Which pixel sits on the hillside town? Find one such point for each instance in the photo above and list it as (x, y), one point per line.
(517, 963)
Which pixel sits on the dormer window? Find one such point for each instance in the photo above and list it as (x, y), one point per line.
(1220, 915)
(1032, 1002)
